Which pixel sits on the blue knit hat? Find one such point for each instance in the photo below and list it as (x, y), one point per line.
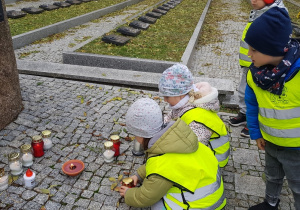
(176, 81)
(271, 33)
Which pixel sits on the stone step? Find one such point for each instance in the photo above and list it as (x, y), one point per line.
(108, 75)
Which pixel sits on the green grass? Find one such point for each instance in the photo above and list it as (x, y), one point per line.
(164, 40)
(31, 22)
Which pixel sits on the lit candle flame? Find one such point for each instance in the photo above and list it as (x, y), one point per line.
(72, 166)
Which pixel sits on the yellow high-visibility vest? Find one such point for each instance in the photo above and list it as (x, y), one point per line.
(244, 48)
(279, 115)
(197, 180)
(219, 139)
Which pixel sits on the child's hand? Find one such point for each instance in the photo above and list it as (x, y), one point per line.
(135, 179)
(122, 190)
(261, 143)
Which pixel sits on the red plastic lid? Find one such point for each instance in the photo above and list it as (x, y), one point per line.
(29, 173)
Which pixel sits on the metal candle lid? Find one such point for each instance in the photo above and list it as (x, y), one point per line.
(46, 133)
(13, 156)
(2, 172)
(115, 138)
(128, 182)
(108, 145)
(36, 139)
(26, 148)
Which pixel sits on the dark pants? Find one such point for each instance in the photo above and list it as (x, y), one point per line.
(282, 162)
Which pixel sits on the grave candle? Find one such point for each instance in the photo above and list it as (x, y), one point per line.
(27, 157)
(37, 146)
(116, 144)
(108, 153)
(46, 138)
(3, 180)
(137, 148)
(15, 164)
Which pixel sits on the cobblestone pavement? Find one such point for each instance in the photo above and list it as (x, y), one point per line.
(81, 116)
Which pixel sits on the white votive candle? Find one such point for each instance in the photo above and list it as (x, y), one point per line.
(27, 159)
(108, 156)
(47, 144)
(16, 168)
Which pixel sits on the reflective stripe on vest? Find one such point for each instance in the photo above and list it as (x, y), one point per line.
(244, 48)
(279, 117)
(219, 140)
(280, 114)
(196, 177)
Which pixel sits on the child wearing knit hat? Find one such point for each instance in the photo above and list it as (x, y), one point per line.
(273, 102)
(259, 7)
(196, 104)
(178, 167)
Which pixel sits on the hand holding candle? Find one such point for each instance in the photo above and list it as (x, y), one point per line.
(122, 190)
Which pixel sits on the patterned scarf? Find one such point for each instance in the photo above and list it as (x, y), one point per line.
(272, 78)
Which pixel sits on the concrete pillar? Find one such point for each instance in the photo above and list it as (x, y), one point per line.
(10, 92)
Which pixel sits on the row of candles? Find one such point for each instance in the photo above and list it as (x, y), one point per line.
(28, 152)
(112, 148)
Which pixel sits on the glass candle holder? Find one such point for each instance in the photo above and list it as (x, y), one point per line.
(116, 144)
(3, 180)
(27, 157)
(138, 149)
(15, 163)
(108, 153)
(127, 182)
(47, 139)
(37, 146)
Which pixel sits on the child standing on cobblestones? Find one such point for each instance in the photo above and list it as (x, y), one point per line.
(197, 105)
(180, 172)
(259, 7)
(273, 102)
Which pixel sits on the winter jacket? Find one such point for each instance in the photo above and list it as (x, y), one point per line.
(176, 137)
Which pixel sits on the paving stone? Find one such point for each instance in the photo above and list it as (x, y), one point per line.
(95, 205)
(52, 205)
(70, 199)
(82, 203)
(41, 198)
(28, 194)
(244, 184)
(249, 157)
(32, 205)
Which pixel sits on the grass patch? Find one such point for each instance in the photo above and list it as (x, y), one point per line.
(25, 54)
(217, 12)
(293, 11)
(164, 40)
(32, 22)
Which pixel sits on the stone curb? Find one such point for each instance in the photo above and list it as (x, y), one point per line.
(110, 76)
(24, 39)
(189, 50)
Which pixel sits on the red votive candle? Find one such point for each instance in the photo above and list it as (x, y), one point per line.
(37, 145)
(116, 144)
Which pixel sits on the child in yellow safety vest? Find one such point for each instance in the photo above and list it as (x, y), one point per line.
(180, 172)
(273, 102)
(259, 7)
(197, 105)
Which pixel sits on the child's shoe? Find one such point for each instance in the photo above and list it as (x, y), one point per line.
(245, 132)
(239, 120)
(265, 206)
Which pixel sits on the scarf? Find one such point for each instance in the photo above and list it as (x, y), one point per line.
(257, 13)
(272, 78)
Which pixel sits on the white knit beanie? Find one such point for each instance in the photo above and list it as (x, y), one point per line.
(144, 118)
